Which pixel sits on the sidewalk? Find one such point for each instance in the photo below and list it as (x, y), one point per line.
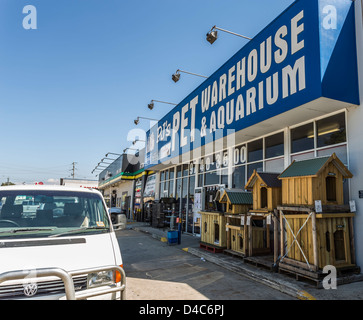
(284, 283)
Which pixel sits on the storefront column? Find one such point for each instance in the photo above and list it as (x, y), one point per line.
(354, 135)
(287, 158)
(230, 167)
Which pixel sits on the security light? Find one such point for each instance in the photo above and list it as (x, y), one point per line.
(212, 35)
(176, 77)
(137, 120)
(151, 105)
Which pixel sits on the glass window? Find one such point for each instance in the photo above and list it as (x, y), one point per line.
(178, 171)
(239, 155)
(340, 151)
(201, 165)
(225, 159)
(171, 174)
(302, 138)
(171, 188)
(275, 165)
(185, 169)
(255, 166)
(331, 130)
(185, 188)
(210, 163)
(200, 180)
(303, 156)
(178, 188)
(162, 176)
(161, 189)
(274, 145)
(166, 188)
(192, 167)
(191, 186)
(211, 178)
(254, 150)
(238, 177)
(224, 177)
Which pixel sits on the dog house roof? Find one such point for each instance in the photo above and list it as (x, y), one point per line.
(312, 167)
(269, 179)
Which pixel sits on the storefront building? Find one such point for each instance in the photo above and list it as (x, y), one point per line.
(122, 184)
(292, 93)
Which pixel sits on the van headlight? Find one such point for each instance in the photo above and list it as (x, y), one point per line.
(100, 278)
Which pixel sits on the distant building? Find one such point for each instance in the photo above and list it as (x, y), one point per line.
(82, 183)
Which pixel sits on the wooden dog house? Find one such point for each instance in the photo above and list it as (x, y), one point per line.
(266, 190)
(237, 202)
(213, 231)
(315, 237)
(305, 181)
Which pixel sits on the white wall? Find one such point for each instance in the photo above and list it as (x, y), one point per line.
(355, 135)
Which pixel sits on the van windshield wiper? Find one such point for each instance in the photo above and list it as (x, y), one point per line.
(27, 229)
(78, 230)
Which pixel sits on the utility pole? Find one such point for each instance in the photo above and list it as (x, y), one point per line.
(73, 168)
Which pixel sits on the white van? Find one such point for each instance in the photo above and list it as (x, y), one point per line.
(65, 248)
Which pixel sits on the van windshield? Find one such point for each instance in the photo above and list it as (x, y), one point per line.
(38, 213)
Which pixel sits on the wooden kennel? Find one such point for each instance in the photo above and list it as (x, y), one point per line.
(263, 236)
(315, 236)
(213, 231)
(305, 181)
(236, 201)
(266, 191)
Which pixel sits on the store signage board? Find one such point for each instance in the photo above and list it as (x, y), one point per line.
(306, 53)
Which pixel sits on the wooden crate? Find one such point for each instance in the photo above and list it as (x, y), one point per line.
(314, 240)
(213, 229)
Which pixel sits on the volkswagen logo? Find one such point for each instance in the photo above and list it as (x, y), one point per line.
(30, 289)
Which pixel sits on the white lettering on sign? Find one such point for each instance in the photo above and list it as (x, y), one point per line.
(176, 124)
(184, 123)
(216, 97)
(239, 155)
(296, 29)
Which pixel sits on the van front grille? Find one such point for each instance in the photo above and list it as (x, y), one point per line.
(43, 288)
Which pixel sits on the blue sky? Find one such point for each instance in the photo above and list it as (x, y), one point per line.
(70, 90)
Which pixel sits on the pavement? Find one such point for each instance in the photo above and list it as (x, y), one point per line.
(287, 284)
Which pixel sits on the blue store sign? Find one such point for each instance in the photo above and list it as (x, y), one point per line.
(308, 52)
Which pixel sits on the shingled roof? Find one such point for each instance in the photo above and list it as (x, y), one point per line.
(269, 179)
(237, 197)
(312, 167)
